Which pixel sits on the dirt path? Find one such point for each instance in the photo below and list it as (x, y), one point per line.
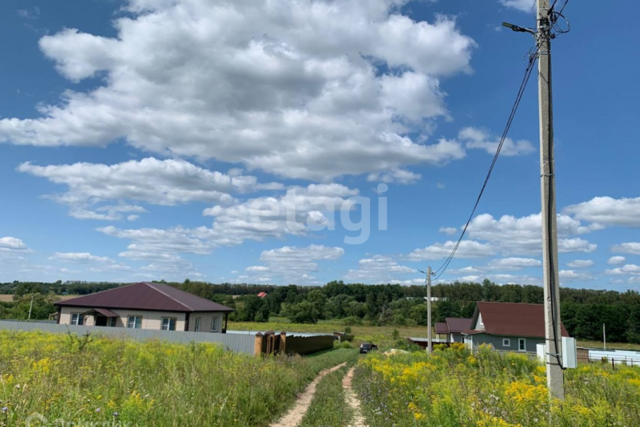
(353, 401)
(296, 414)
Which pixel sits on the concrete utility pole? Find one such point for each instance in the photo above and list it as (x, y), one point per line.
(604, 335)
(428, 273)
(553, 335)
(429, 338)
(31, 307)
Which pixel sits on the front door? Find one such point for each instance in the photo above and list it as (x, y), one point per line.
(101, 321)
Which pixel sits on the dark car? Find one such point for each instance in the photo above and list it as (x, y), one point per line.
(367, 347)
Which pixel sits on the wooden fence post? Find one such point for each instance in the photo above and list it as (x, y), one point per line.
(257, 350)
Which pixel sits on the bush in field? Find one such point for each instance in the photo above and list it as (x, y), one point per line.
(456, 388)
(90, 380)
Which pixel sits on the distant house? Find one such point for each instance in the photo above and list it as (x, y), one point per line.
(508, 326)
(262, 294)
(452, 329)
(145, 306)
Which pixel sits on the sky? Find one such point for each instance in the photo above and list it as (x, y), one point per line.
(299, 142)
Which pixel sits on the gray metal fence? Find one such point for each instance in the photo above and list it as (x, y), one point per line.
(233, 342)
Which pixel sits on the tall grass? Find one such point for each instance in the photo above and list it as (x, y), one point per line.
(106, 380)
(328, 407)
(456, 388)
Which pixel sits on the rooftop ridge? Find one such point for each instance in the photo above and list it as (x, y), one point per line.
(152, 286)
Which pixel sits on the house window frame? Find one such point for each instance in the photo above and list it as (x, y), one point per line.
(112, 322)
(198, 324)
(215, 326)
(522, 341)
(136, 324)
(169, 319)
(79, 319)
(506, 342)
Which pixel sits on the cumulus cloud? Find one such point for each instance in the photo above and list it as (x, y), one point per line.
(521, 5)
(294, 264)
(607, 211)
(448, 230)
(90, 262)
(153, 181)
(571, 276)
(581, 263)
(632, 248)
(480, 139)
(305, 89)
(629, 269)
(523, 235)
(467, 249)
(297, 212)
(399, 176)
(379, 269)
(513, 263)
(12, 244)
(616, 260)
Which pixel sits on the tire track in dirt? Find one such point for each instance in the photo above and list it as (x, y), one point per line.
(353, 401)
(296, 414)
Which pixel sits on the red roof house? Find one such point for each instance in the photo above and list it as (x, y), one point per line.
(508, 326)
(145, 306)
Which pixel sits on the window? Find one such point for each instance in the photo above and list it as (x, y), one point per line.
(215, 324)
(198, 319)
(77, 319)
(134, 322)
(506, 342)
(168, 323)
(522, 344)
(112, 322)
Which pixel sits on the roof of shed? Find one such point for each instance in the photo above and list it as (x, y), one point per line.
(146, 296)
(441, 328)
(458, 324)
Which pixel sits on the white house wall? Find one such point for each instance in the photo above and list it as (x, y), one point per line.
(150, 319)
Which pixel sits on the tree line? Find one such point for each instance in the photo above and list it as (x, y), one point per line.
(584, 311)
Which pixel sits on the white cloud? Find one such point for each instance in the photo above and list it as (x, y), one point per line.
(616, 260)
(90, 262)
(571, 275)
(581, 263)
(522, 5)
(153, 181)
(294, 264)
(306, 89)
(513, 263)
(608, 211)
(467, 249)
(512, 235)
(624, 270)
(399, 176)
(78, 257)
(632, 248)
(480, 139)
(378, 269)
(298, 211)
(12, 244)
(448, 230)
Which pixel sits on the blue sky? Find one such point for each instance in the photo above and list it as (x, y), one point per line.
(229, 140)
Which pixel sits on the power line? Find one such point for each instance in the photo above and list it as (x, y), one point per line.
(527, 74)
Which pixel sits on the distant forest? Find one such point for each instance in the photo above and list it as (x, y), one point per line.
(583, 310)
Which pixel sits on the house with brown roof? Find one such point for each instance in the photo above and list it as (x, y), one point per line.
(508, 326)
(145, 306)
(452, 329)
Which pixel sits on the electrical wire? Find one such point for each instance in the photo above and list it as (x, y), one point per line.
(527, 74)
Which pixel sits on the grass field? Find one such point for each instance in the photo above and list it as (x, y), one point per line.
(382, 335)
(9, 297)
(488, 389)
(100, 381)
